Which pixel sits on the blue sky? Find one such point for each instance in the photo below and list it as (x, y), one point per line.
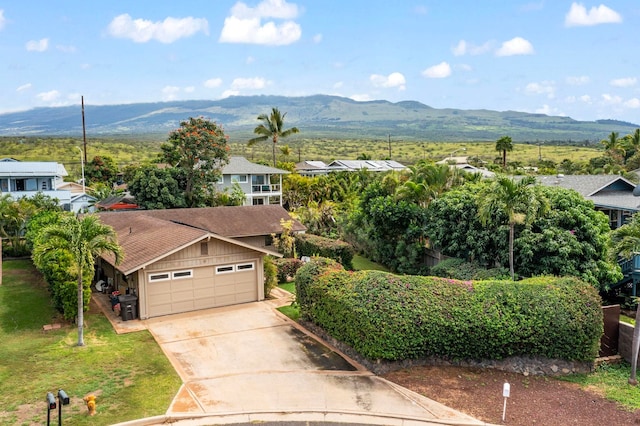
(577, 59)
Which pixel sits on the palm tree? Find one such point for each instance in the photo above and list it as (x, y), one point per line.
(517, 200)
(626, 244)
(504, 144)
(84, 238)
(272, 127)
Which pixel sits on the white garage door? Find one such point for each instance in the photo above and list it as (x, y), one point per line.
(201, 288)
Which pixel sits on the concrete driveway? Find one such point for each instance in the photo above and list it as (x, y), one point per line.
(248, 363)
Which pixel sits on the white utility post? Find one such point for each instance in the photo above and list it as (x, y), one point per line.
(82, 163)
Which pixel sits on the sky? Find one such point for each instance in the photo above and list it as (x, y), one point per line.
(576, 59)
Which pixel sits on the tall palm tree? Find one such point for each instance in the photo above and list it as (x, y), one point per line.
(517, 200)
(504, 144)
(626, 244)
(84, 238)
(272, 127)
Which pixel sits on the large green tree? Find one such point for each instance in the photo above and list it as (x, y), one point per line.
(504, 145)
(83, 239)
(272, 127)
(156, 188)
(102, 169)
(516, 199)
(199, 150)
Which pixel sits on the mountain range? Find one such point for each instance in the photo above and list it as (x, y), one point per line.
(318, 116)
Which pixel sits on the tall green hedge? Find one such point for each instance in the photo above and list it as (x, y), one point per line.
(391, 317)
(315, 245)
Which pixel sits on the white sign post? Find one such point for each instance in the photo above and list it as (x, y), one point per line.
(506, 390)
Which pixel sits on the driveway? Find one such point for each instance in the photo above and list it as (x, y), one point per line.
(249, 363)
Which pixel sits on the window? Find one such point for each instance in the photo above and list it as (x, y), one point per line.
(239, 178)
(159, 277)
(258, 201)
(257, 180)
(224, 269)
(245, 267)
(182, 274)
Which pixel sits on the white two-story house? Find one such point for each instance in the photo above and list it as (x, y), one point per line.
(261, 184)
(28, 178)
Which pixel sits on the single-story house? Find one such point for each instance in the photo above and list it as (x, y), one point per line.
(181, 260)
(314, 168)
(462, 163)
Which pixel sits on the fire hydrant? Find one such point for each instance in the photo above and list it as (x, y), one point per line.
(91, 404)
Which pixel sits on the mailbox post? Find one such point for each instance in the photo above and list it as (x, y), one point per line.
(63, 399)
(51, 405)
(506, 391)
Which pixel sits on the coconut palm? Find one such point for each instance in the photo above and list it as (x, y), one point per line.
(504, 144)
(84, 239)
(626, 244)
(516, 199)
(272, 127)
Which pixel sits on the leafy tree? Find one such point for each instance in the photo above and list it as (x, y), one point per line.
(102, 169)
(199, 150)
(15, 215)
(235, 197)
(503, 145)
(516, 199)
(84, 239)
(156, 188)
(101, 191)
(272, 127)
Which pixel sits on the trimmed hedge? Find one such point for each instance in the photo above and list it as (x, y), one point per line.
(391, 317)
(287, 268)
(315, 245)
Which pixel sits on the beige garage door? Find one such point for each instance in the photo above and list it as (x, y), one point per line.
(202, 288)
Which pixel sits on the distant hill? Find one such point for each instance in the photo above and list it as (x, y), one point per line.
(316, 116)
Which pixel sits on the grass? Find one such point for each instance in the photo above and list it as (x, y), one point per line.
(32, 362)
(610, 380)
(363, 264)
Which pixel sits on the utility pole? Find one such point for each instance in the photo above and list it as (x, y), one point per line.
(84, 134)
(389, 146)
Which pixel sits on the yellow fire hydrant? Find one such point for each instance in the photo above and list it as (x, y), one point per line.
(91, 404)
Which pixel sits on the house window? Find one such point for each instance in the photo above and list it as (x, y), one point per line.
(268, 240)
(182, 274)
(258, 201)
(239, 178)
(245, 267)
(257, 180)
(225, 269)
(159, 277)
(204, 249)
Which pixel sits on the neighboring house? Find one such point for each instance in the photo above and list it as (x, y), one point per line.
(27, 178)
(611, 194)
(314, 168)
(81, 202)
(180, 260)
(117, 202)
(461, 163)
(261, 184)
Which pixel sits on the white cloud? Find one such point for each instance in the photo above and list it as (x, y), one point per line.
(578, 80)
(170, 93)
(465, 48)
(624, 82)
(245, 25)
(2, 19)
(441, 70)
(167, 31)
(611, 100)
(585, 98)
(248, 83)
(360, 97)
(515, 46)
(212, 83)
(578, 16)
(395, 79)
(250, 60)
(543, 88)
(228, 93)
(317, 38)
(632, 103)
(338, 85)
(189, 89)
(38, 45)
(24, 87)
(50, 96)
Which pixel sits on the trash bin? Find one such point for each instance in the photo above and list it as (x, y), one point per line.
(128, 307)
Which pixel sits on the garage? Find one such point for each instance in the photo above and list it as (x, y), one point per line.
(171, 292)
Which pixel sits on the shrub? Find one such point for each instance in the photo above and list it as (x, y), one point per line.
(306, 278)
(270, 276)
(287, 268)
(391, 317)
(460, 269)
(315, 245)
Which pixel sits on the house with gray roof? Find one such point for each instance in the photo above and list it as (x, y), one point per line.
(262, 185)
(314, 168)
(611, 194)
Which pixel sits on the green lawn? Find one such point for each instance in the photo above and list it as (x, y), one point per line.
(363, 264)
(127, 385)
